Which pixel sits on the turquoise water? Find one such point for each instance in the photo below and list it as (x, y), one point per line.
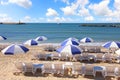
(57, 32)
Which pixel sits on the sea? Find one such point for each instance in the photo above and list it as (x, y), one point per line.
(56, 33)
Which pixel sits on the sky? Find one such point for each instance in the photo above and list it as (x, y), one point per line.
(60, 11)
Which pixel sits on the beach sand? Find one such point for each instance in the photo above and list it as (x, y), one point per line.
(7, 66)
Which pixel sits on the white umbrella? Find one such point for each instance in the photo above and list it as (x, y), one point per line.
(31, 42)
(2, 38)
(41, 38)
(70, 49)
(70, 41)
(14, 49)
(112, 45)
(86, 40)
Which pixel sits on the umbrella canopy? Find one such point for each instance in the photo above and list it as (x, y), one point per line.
(13, 49)
(71, 38)
(70, 41)
(41, 38)
(70, 49)
(2, 38)
(111, 44)
(86, 40)
(31, 42)
(118, 52)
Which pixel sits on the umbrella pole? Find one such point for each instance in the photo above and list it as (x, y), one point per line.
(108, 50)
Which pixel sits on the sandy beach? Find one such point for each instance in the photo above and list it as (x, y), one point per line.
(7, 66)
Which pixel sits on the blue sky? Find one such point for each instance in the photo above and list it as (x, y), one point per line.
(63, 11)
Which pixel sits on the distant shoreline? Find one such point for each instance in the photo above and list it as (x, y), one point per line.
(117, 25)
(100, 24)
(11, 23)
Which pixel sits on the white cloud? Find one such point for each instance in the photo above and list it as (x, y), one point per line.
(117, 4)
(73, 8)
(3, 3)
(68, 10)
(22, 3)
(101, 9)
(5, 18)
(51, 12)
(89, 18)
(83, 12)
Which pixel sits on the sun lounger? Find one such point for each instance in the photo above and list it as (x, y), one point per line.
(28, 68)
(77, 57)
(107, 57)
(99, 57)
(68, 68)
(84, 56)
(100, 69)
(35, 57)
(77, 70)
(117, 71)
(59, 69)
(38, 68)
(19, 68)
(64, 57)
(50, 48)
(110, 71)
(89, 70)
(48, 69)
(56, 56)
(91, 57)
(42, 56)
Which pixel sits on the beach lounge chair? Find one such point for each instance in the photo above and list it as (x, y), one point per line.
(59, 69)
(50, 48)
(107, 57)
(35, 57)
(28, 69)
(110, 71)
(99, 57)
(84, 56)
(68, 68)
(56, 56)
(42, 56)
(89, 70)
(100, 69)
(64, 57)
(48, 69)
(77, 70)
(117, 71)
(38, 69)
(91, 57)
(19, 68)
(77, 57)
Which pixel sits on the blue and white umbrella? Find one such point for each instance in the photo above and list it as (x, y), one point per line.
(69, 49)
(14, 49)
(41, 38)
(71, 38)
(86, 40)
(2, 38)
(111, 44)
(70, 41)
(31, 42)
